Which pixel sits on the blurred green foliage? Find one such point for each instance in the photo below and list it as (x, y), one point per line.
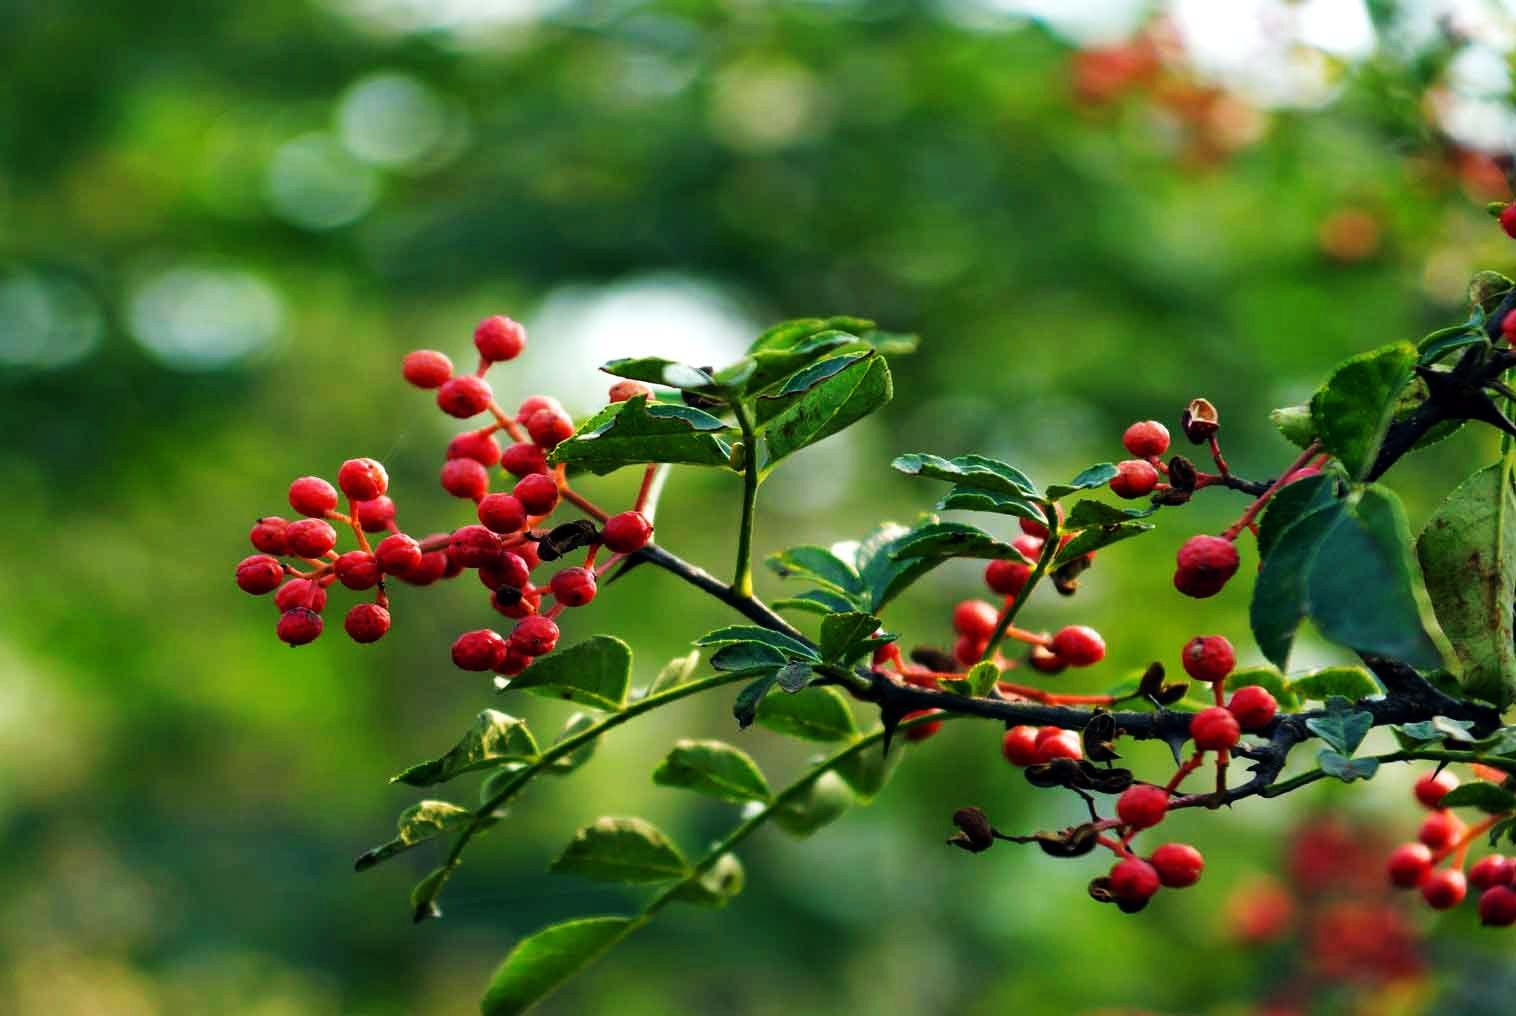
(221, 227)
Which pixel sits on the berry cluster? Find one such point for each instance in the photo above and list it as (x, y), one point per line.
(504, 547)
(1443, 836)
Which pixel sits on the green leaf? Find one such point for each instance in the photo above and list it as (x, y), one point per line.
(822, 410)
(970, 471)
(418, 823)
(745, 708)
(944, 540)
(630, 850)
(1505, 827)
(1345, 769)
(1295, 423)
(883, 575)
(1468, 561)
(1487, 797)
(1087, 514)
(1289, 505)
(977, 683)
(815, 714)
(1096, 537)
(716, 886)
(972, 499)
(635, 432)
(1094, 476)
(1349, 682)
(1270, 680)
(796, 332)
(656, 370)
(772, 366)
(542, 962)
(577, 723)
(1344, 565)
(804, 380)
(747, 656)
(1362, 586)
(794, 676)
(1340, 726)
(1440, 343)
(679, 670)
(595, 673)
(822, 802)
(818, 565)
(1438, 728)
(816, 601)
(867, 772)
(495, 738)
(424, 894)
(713, 768)
(842, 633)
(748, 633)
(1352, 411)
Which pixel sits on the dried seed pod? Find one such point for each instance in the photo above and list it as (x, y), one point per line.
(1182, 475)
(1099, 736)
(567, 538)
(975, 834)
(1199, 421)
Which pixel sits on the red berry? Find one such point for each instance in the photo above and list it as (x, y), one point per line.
(499, 338)
(432, 566)
(516, 603)
(310, 537)
(1508, 327)
(1214, 729)
(1178, 865)
(1439, 829)
(465, 478)
(376, 514)
(301, 593)
(921, 731)
(478, 445)
(975, 619)
(1006, 577)
(1508, 220)
(358, 569)
(507, 569)
(472, 546)
(1205, 565)
(1431, 788)
(1408, 865)
(528, 552)
(481, 649)
(627, 533)
(1147, 439)
(366, 622)
(535, 402)
(1063, 744)
(1045, 661)
(538, 493)
(1079, 645)
(1444, 888)
(426, 368)
(464, 396)
(1037, 529)
(362, 479)
(1490, 871)
(1208, 658)
(503, 513)
(299, 625)
(573, 587)
(549, 428)
(1142, 805)
(1019, 746)
(267, 535)
(1134, 478)
(1029, 546)
(513, 664)
(623, 390)
(534, 636)
(398, 553)
(1133, 880)
(968, 650)
(1253, 706)
(259, 574)
(1497, 907)
(524, 459)
(312, 496)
